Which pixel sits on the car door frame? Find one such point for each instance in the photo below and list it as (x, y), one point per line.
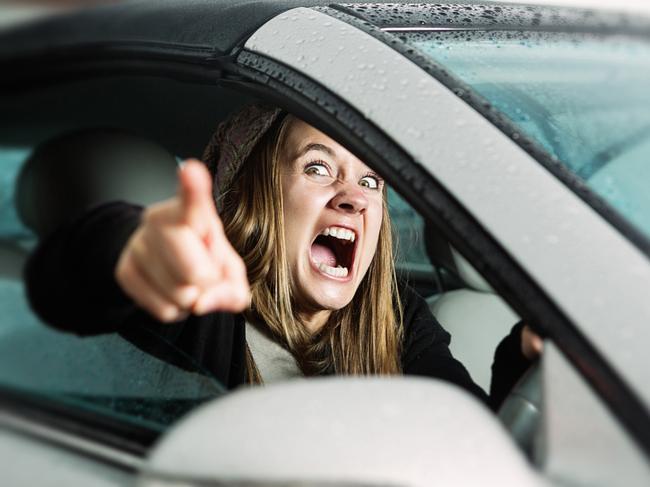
(273, 61)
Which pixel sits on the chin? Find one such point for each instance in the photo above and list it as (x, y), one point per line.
(333, 302)
(329, 296)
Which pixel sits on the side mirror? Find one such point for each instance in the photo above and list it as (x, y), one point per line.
(348, 431)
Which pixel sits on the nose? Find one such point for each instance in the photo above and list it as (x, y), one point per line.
(349, 198)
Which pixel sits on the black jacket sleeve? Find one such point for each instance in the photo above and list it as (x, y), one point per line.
(69, 276)
(426, 353)
(509, 365)
(71, 286)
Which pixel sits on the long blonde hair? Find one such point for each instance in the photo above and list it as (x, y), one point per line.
(362, 338)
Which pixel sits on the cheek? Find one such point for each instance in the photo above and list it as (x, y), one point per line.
(374, 218)
(291, 217)
(300, 208)
(291, 207)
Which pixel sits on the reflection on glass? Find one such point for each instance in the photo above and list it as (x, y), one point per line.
(583, 97)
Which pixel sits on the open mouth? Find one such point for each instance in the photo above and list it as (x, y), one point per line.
(333, 251)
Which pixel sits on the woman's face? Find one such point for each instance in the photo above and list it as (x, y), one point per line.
(333, 210)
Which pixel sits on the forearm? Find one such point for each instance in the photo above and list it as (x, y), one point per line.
(508, 366)
(70, 276)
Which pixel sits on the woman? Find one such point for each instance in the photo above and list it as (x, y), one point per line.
(303, 221)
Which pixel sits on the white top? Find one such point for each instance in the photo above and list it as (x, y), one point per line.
(274, 362)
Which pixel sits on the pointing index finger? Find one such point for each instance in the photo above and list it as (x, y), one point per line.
(195, 192)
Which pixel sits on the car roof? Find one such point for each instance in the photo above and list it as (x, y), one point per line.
(215, 24)
(195, 40)
(218, 26)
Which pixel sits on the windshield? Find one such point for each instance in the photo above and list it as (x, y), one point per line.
(584, 98)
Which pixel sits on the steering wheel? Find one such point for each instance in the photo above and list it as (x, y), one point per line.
(521, 410)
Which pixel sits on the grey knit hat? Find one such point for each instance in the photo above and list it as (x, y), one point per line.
(234, 140)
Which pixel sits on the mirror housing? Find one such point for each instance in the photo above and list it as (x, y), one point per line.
(387, 431)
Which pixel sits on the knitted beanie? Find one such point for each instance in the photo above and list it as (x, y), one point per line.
(234, 140)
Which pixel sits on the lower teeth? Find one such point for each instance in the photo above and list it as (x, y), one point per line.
(333, 271)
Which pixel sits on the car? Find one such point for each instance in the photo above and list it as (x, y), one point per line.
(515, 140)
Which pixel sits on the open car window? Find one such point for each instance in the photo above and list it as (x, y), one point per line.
(108, 375)
(414, 247)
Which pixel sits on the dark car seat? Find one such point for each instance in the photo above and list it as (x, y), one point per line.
(73, 172)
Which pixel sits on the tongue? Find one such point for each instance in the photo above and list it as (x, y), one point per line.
(321, 253)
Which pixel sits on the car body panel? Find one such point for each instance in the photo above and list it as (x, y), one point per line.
(580, 442)
(219, 26)
(151, 26)
(34, 454)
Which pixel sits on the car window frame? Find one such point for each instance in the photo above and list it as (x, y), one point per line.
(433, 201)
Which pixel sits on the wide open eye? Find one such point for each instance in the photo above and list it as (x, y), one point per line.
(370, 182)
(319, 172)
(317, 169)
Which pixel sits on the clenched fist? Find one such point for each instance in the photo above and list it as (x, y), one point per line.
(179, 261)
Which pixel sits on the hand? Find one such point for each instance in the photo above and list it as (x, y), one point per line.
(179, 261)
(531, 343)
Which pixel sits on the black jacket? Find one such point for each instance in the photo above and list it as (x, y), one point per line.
(71, 286)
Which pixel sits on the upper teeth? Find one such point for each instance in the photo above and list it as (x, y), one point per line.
(338, 232)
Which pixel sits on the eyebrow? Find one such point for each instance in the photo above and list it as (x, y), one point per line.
(317, 147)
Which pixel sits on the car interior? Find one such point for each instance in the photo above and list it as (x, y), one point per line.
(78, 150)
(60, 179)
